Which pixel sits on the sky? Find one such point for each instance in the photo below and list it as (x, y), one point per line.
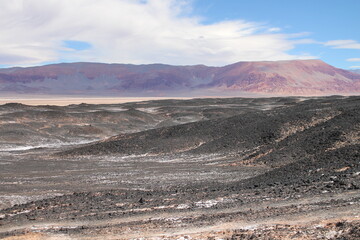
(178, 32)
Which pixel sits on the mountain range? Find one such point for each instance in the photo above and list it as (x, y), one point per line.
(295, 77)
(355, 70)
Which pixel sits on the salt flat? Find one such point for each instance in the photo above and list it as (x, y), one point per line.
(67, 100)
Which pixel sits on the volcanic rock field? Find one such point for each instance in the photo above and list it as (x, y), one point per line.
(213, 168)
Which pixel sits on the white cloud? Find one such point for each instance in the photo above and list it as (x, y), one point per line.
(131, 31)
(274, 29)
(349, 44)
(355, 67)
(353, 59)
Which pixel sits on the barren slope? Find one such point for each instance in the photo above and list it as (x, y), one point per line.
(297, 77)
(279, 168)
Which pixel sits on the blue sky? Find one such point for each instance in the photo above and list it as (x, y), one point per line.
(321, 20)
(77, 45)
(179, 32)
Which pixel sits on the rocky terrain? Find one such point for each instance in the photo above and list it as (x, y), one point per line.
(231, 168)
(286, 78)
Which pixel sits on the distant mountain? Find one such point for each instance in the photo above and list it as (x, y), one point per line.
(355, 70)
(297, 77)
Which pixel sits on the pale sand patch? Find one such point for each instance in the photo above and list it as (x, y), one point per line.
(63, 100)
(38, 236)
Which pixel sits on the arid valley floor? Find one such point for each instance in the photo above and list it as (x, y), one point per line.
(226, 168)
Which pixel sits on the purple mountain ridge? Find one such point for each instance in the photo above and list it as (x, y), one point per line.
(295, 77)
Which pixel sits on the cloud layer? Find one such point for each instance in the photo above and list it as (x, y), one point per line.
(131, 31)
(353, 59)
(346, 44)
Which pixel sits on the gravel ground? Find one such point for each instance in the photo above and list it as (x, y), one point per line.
(191, 169)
